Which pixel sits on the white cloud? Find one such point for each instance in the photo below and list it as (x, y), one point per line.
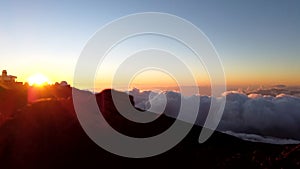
(254, 113)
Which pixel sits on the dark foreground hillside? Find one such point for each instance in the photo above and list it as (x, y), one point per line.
(45, 133)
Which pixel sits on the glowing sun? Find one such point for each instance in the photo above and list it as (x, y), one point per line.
(38, 79)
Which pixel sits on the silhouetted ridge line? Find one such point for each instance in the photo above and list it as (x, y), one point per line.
(47, 134)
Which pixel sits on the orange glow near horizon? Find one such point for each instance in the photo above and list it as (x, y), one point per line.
(159, 80)
(149, 79)
(156, 79)
(38, 80)
(261, 79)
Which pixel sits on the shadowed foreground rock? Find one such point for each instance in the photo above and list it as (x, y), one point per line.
(47, 134)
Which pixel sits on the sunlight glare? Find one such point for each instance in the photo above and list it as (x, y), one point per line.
(38, 79)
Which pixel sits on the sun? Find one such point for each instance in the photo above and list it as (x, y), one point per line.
(38, 80)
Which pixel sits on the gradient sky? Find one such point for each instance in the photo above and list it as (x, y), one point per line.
(257, 41)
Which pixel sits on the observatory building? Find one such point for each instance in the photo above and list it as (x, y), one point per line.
(4, 78)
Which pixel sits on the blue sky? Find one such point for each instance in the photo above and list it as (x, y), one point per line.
(258, 41)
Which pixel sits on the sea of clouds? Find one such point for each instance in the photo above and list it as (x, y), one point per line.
(257, 114)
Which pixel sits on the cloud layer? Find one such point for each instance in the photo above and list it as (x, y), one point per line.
(251, 113)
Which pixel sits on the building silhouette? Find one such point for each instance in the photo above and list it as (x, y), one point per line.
(4, 78)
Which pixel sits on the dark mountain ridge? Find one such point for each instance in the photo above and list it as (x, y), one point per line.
(45, 133)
